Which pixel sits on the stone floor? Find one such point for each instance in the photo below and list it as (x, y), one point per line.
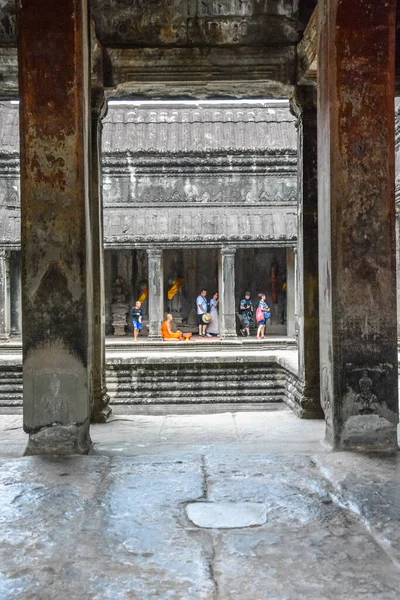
(236, 505)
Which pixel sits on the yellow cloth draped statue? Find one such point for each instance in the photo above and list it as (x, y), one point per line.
(144, 295)
(172, 292)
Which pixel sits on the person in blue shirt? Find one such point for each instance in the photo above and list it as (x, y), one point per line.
(202, 306)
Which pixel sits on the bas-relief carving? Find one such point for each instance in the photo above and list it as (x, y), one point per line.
(205, 190)
(242, 8)
(367, 401)
(169, 225)
(55, 397)
(366, 391)
(142, 21)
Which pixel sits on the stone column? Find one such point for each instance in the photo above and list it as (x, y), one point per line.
(156, 292)
(227, 308)
(15, 294)
(101, 409)
(357, 266)
(290, 293)
(304, 106)
(57, 300)
(4, 294)
(397, 197)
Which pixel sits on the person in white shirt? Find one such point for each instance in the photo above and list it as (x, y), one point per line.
(201, 305)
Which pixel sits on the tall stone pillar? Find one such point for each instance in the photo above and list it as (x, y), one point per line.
(304, 106)
(101, 409)
(15, 294)
(4, 294)
(357, 267)
(156, 292)
(227, 307)
(290, 292)
(57, 300)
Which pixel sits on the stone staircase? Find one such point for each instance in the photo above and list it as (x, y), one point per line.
(11, 385)
(180, 384)
(205, 382)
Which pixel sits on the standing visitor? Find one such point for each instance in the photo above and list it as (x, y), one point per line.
(246, 313)
(137, 320)
(213, 327)
(201, 305)
(263, 313)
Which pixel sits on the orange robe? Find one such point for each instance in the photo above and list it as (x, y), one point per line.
(167, 335)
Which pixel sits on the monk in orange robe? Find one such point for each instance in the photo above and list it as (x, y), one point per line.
(167, 332)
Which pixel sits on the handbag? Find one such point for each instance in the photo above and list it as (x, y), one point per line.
(259, 314)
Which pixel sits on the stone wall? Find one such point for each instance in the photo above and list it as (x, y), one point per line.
(182, 174)
(200, 173)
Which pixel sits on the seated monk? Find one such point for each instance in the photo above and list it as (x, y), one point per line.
(167, 332)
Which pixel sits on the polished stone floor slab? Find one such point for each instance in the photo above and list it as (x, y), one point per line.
(116, 525)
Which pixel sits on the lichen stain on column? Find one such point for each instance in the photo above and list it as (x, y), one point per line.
(55, 211)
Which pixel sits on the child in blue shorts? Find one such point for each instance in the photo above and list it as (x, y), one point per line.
(137, 319)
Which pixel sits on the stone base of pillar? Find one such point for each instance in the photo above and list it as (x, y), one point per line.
(304, 402)
(369, 433)
(60, 440)
(155, 337)
(229, 336)
(101, 407)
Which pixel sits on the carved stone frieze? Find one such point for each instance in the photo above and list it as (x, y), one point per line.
(167, 226)
(168, 22)
(219, 190)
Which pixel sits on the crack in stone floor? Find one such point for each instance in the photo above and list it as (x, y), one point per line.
(268, 523)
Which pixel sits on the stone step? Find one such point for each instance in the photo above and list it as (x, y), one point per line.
(209, 399)
(10, 387)
(137, 385)
(10, 375)
(186, 383)
(201, 371)
(193, 379)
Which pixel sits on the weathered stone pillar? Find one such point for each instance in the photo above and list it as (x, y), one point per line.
(156, 292)
(4, 294)
(397, 198)
(15, 294)
(57, 300)
(290, 292)
(101, 409)
(304, 106)
(227, 308)
(357, 267)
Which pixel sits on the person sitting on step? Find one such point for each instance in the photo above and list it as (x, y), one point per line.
(166, 330)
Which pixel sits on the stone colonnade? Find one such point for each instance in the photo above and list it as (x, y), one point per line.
(61, 230)
(226, 285)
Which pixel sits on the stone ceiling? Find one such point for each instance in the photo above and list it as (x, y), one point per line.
(191, 48)
(184, 48)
